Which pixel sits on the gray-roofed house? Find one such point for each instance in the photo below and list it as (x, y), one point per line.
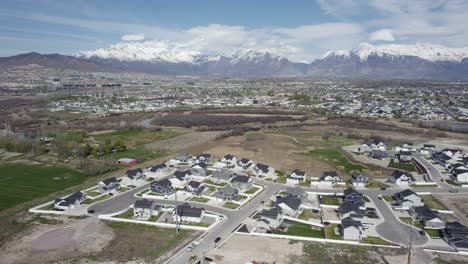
(69, 202)
(227, 193)
(353, 196)
(263, 170)
(222, 175)
(241, 182)
(162, 187)
(205, 158)
(329, 177)
(108, 185)
(269, 219)
(183, 158)
(229, 160)
(456, 235)
(195, 187)
(289, 204)
(199, 169)
(404, 156)
(407, 199)
(133, 176)
(352, 229)
(352, 210)
(143, 209)
(245, 164)
(359, 179)
(428, 217)
(296, 177)
(157, 170)
(377, 154)
(401, 178)
(186, 213)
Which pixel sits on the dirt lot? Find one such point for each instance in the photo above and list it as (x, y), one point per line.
(459, 204)
(46, 243)
(279, 152)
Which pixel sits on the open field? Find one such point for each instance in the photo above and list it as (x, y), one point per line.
(431, 202)
(22, 182)
(336, 157)
(136, 137)
(459, 204)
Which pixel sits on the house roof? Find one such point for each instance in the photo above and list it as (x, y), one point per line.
(349, 222)
(228, 157)
(291, 201)
(222, 174)
(182, 173)
(349, 191)
(110, 180)
(263, 167)
(162, 183)
(244, 161)
(201, 165)
(404, 153)
(194, 184)
(143, 203)
(158, 167)
(133, 173)
(228, 190)
(347, 207)
(398, 174)
(405, 193)
(298, 172)
(241, 178)
(187, 210)
(271, 213)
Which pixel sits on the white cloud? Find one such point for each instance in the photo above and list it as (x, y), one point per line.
(133, 37)
(382, 35)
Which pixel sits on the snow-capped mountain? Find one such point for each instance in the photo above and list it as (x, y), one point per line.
(389, 61)
(424, 51)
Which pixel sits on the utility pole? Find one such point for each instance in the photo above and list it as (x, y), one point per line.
(176, 215)
(411, 241)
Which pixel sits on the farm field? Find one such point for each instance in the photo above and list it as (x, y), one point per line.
(21, 182)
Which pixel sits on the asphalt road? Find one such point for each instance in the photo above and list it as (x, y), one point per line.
(391, 229)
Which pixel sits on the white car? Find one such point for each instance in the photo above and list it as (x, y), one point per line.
(197, 242)
(191, 247)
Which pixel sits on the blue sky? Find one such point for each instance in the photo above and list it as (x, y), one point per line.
(301, 30)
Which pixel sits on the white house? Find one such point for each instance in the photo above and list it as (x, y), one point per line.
(69, 202)
(132, 177)
(296, 177)
(329, 177)
(157, 170)
(401, 178)
(144, 209)
(359, 179)
(229, 160)
(264, 171)
(108, 185)
(364, 148)
(352, 230)
(186, 213)
(378, 146)
(407, 199)
(246, 164)
(460, 175)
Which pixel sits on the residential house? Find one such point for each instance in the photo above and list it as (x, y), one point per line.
(441, 158)
(378, 145)
(296, 177)
(69, 202)
(269, 219)
(246, 164)
(456, 235)
(352, 196)
(222, 175)
(195, 187)
(183, 158)
(227, 193)
(241, 182)
(205, 158)
(407, 146)
(329, 177)
(163, 187)
(108, 185)
(143, 209)
(407, 199)
(199, 169)
(401, 178)
(186, 213)
(296, 191)
(229, 160)
(352, 229)
(377, 154)
(157, 170)
(404, 156)
(359, 179)
(428, 217)
(352, 210)
(289, 204)
(364, 148)
(460, 175)
(427, 149)
(127, 162)
(264, 171)
(132, 177)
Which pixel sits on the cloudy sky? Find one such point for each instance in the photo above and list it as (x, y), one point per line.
(299, 29)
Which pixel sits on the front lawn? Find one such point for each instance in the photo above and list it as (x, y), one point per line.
(240, 198)
(336, 158)
(126, 215)
(302, 230)
(433, 233)
(251, 190)
(305, 183)
(376, 184)
(91, 201)
(329, 200)
(230, 205)
(409, 221)
(330, 232)
(375, 240)
(431, 202)
(92, 193)
(214, 183)
(402, 166)
(307, 214)
(451, 182)
(199, 199)
(123, 189)
(388, 198)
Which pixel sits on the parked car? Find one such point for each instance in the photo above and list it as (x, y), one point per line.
(191, 247)
(383, 188)
(91, 211)
(453, 191)
(422, 232)
(197, 242)
(217, 239)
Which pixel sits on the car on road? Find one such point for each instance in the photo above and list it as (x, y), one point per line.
(422, 232)
(197, 242)
(453, 191)
(91, 211)
(191, 247)
(383, 188)
(217, 239)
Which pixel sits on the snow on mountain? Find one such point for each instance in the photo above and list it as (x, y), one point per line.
(143, 51)
(430, 52)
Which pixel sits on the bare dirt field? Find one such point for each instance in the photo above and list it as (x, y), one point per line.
(47, 243)
(459, 204)
(184, 141)
(279, 152)
(245, 249)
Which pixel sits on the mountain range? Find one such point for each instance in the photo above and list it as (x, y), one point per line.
(389, 61)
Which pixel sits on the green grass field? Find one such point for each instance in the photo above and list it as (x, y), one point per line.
(336, 158)
(431, 202)
(330, 232)
(329, 200)
(375, 241)
(199, 199)
(20, 183)
(230, 205)
(136, 137)
(251, 190)
(402, 166)
(303, 230)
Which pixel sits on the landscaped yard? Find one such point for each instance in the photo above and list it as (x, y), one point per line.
(305, 183)
(431, 202)
(307, 214)
(388, 198)
(20, 182)
(336, 158)
(330, 232)
(433, 233)
(199, 199)
(251, 190)
(409, 221)
(376, 184)
(123, 189)
(302, 230)
(91, 201)
(222, 184)
(240, 198)
(402, 166)
(127, 214)
(329, 200)
(375, 240)
(93, 193)
(230, 205)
